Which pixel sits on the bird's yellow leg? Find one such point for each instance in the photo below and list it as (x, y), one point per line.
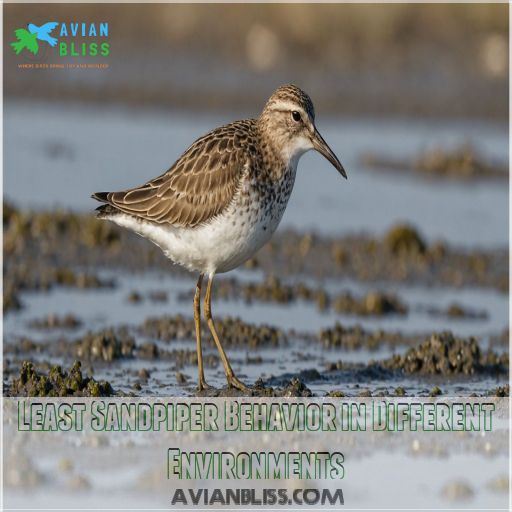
(230, 376)
(201, 383)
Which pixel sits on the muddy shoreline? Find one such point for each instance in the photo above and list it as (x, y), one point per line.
(436, 355)
(34, 259)
(157, 355)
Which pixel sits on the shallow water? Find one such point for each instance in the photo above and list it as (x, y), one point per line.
(104, 307)
(59, 155)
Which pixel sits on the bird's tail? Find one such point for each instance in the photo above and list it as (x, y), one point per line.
(105, 210)
(52, 41)
(100, 196)
(18, 46)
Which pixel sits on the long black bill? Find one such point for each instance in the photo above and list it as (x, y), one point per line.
(321, 146)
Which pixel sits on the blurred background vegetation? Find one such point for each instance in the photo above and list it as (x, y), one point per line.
(391, 59)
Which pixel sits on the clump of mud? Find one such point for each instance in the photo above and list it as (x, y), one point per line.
(157, 296)
(404, 239)
(273, 290)
(373, 304)
(11, 300)
(269, 290)
(105, 345)
(463, 162)
(232, 331)
(500, 339)
(53, 321)
(456, 310)
(295, 387)
(57, 383)
(447, 355)
(501, 391)
(355, 337)
(183, 357)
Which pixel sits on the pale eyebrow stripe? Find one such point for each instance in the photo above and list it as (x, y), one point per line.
(283, 106)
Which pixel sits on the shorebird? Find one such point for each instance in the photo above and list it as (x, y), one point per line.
(223, 198)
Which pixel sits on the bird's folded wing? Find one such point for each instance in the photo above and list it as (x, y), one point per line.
(198, 187)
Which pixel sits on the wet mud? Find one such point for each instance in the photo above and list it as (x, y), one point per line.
(157, 354)
(34, 259)
(171, 341)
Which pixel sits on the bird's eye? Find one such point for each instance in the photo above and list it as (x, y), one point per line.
(296, 116)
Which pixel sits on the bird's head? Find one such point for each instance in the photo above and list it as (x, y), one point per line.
(31, 27)
(289, 121)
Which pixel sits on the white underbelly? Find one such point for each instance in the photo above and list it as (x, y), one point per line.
(218, 246)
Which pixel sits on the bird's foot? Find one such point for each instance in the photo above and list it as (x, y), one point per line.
(203, 385)
(234, 382)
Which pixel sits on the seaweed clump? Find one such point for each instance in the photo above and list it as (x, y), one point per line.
(53, 321)
(57, 383)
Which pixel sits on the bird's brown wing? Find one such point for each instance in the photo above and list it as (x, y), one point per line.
(199, 186)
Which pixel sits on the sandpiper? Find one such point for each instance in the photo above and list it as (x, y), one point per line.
(224, 197)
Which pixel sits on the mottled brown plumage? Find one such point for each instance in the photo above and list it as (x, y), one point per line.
(200, 184)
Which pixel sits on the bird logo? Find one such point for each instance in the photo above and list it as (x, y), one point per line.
(27, 38)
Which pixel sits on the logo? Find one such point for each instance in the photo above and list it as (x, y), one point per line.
(67, 39)
(27, 38)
